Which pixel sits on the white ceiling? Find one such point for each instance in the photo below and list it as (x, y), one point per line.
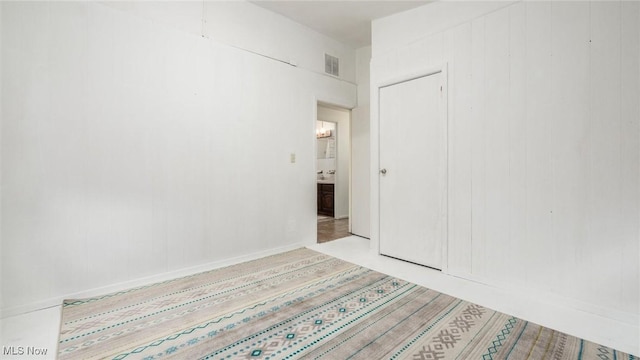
(348, 21)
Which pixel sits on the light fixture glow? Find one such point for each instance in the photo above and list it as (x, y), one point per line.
(322, 132)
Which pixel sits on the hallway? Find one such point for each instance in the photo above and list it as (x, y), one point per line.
(331, 229)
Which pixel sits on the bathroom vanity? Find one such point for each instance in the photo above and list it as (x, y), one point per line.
(325, 198)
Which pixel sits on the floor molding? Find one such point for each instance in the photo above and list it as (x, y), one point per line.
(56, 301)
(564, 316)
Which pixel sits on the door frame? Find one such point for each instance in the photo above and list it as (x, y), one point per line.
(331, 103)
(375, 169)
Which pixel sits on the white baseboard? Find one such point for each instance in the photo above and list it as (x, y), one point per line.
(593, 322)
(559, 300)
(57, 301)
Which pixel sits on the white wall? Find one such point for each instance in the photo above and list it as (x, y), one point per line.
(1, 112)
(341, 117)
(132, 148)
(360, 167)
(544, 185)
(244, 25)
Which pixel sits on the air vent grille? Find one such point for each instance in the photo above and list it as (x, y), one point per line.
(331, 65)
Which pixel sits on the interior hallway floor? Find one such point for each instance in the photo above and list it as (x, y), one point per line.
(331, 229)
(40, 328)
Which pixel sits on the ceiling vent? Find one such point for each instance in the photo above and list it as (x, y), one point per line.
(331, 65)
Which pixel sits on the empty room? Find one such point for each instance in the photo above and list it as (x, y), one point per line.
(320, 179)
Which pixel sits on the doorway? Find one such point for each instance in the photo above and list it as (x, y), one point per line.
(333, 171)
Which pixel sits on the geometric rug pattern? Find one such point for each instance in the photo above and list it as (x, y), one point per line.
(302, 305)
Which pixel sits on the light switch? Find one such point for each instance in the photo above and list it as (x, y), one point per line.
(292, 158)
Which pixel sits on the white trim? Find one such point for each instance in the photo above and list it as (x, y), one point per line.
(447, 211)
(147, 280)
(615, 328)
(411, 75)
(554, 299)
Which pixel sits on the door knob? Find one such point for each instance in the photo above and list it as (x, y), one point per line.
(383, 171)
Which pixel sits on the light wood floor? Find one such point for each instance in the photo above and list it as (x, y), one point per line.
(332, 229)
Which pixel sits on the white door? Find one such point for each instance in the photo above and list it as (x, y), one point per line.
(413, 170)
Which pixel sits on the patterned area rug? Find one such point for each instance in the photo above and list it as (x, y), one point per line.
(302, 304)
